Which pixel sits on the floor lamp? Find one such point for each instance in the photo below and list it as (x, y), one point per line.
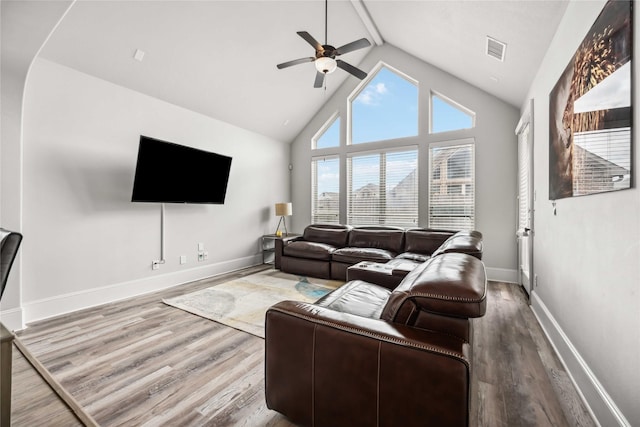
(282, 210)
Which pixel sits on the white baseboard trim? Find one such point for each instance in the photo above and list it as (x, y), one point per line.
(502, 275)
(12, 318)
(598, 402)
(62, 304)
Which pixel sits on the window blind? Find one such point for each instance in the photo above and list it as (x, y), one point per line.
(452, 187)
(601, 160)
(325, 185)
(523, 179)
(382, 188)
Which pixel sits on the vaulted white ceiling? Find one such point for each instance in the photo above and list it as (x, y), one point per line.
(219, 58)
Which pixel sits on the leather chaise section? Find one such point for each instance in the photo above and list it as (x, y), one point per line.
(365, 355)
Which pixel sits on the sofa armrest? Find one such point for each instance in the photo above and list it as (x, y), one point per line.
(280, 243)
(324, 367)
(466, 242)
(451, 284)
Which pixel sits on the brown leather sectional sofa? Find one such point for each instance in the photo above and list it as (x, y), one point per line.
(366, 355)
(327, 251)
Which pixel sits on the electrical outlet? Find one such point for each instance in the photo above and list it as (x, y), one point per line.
(155, 265)
(206, 254)
(535, 281)
(183, 259)
(201, 256)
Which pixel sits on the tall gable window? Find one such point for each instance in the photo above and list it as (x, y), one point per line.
(448, 115)
(329, 134)
(383, 188)
(325, 190)
(371, 177)
(386, 108)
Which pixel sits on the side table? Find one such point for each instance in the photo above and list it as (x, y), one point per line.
(268, 246)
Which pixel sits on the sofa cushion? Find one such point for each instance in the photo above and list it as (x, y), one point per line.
(357, 297)
(412, 256)
(452, 284)
(467, 242)
(310, 250)
(389, 238)
(355, 255)
(334, 235)
(425, 241)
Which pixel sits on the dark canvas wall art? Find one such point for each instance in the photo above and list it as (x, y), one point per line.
(590, 111)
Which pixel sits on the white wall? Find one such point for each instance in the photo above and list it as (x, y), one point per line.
(85, 242)
(24, 28)
(587, 257)
(496, 148)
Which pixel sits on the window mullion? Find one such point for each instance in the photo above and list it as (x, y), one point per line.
(382, 198)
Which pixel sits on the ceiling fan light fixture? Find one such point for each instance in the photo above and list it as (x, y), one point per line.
(326, 65)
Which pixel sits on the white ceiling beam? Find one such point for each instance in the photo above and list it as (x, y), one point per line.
(366, 19)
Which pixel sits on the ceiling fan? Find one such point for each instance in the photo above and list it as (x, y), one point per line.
(325, 57)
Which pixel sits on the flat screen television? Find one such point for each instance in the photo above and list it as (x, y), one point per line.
(173, 173)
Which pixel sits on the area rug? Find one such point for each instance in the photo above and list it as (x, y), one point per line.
(242, 303)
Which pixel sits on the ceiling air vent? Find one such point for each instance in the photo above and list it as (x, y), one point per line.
(496, 48)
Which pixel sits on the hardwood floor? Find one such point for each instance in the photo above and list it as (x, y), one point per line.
(33, 401)
(140, 362)
(518, 379)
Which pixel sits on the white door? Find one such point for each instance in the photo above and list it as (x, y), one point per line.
(524, 233)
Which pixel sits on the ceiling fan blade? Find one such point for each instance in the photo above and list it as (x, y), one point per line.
(351, 69)
(350, 47)
(295, 62)
(313, 42)
(319, 79)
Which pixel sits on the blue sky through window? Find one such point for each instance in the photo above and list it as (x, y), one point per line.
(446, 117)
(387, 108)
(328, 175)
(331, 136)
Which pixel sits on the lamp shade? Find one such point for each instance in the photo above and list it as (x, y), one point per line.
(284, 209)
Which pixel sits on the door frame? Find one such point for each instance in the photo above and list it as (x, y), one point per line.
(527, 119)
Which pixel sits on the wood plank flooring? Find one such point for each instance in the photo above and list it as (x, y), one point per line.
(33, 401)
(140, 362)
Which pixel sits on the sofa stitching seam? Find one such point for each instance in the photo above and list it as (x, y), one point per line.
(445, 297)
